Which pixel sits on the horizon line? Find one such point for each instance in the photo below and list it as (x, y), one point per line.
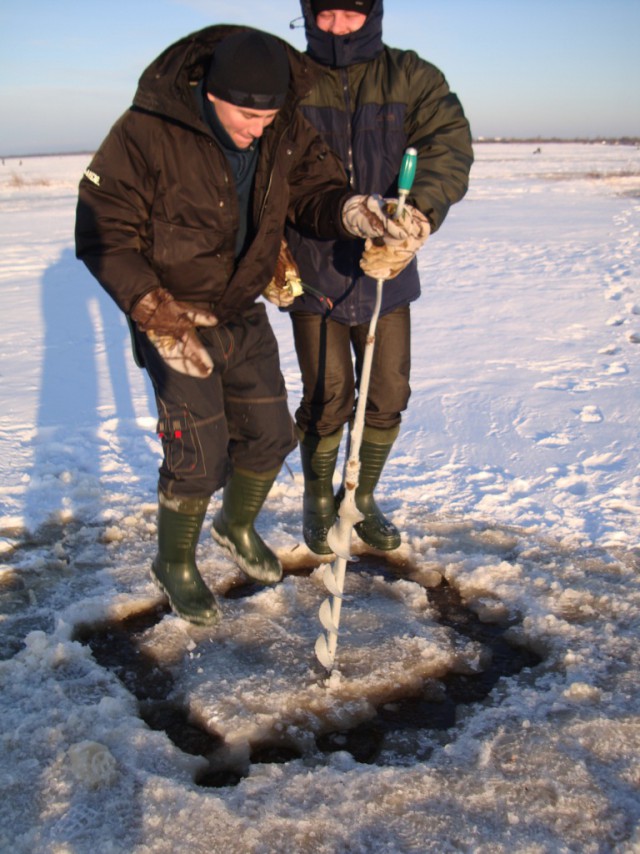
(619, 140)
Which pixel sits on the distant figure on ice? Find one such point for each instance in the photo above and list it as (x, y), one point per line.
(180, 217)
(373, 102)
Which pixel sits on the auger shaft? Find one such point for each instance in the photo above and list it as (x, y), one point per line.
(339, 535)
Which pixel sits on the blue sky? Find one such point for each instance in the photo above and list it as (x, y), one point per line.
(520, 67)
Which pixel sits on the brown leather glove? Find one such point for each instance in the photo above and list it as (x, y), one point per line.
(285, 285)
(171, 327)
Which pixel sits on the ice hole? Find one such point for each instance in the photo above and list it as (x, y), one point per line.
(150, 655)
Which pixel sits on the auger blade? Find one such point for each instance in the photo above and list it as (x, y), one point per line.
(338, 546)
(331, 583)
(326, 617)
(322, 653)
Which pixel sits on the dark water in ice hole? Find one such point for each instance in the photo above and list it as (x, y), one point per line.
(389, 738)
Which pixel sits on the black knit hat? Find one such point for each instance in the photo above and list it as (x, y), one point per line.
(362, 6)
(250, 69)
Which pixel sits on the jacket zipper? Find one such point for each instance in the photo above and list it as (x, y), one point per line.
(271, 171)
(344, 75)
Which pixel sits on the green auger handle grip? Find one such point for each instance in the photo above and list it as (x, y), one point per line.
(407, 171)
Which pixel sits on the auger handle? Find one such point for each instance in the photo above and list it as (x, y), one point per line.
(405, 178)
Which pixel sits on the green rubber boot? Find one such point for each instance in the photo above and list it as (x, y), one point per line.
(174, 568)
(318, 455)
(375, 530)
(233, 529)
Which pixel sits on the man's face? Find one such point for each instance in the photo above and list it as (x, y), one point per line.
(243, 124)
(338, 22)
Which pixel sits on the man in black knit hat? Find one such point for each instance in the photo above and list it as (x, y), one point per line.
(373, 102)
(180, 218)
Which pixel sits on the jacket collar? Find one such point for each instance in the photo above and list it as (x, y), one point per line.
(340, 51)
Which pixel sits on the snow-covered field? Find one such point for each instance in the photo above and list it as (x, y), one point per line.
(516, 478)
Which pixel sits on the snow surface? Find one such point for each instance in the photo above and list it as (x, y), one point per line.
(516, 478)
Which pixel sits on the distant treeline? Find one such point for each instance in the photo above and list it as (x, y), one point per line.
(539, 140)
(4, 157)
(534, 140)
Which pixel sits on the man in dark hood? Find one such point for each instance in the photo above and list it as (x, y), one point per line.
(372, 103)
(180, 218)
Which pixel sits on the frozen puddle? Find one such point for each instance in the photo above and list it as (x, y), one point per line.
(410, 655)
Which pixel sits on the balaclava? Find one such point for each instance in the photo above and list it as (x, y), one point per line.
(362, 6)
(341, 51)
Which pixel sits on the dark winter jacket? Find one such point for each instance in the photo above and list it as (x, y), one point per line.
(157, 205)
(373, 103)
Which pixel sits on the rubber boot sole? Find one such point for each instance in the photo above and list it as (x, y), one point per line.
(208, 616)
(378, 532)
(316, 540)
(388, 544)
(262, 575)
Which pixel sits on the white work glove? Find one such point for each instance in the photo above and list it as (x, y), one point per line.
(171, 327)
(385, 259)
(286, 284)
(411, 223)
(364, 216)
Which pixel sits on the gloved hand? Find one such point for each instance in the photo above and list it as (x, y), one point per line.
(384, 260)
(411, 224)
(364, 216)
(286, 284)
(171, 327)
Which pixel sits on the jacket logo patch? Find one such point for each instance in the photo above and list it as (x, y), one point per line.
(92, 176)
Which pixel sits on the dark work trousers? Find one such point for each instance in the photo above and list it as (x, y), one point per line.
(237, 417)
(324, 349)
